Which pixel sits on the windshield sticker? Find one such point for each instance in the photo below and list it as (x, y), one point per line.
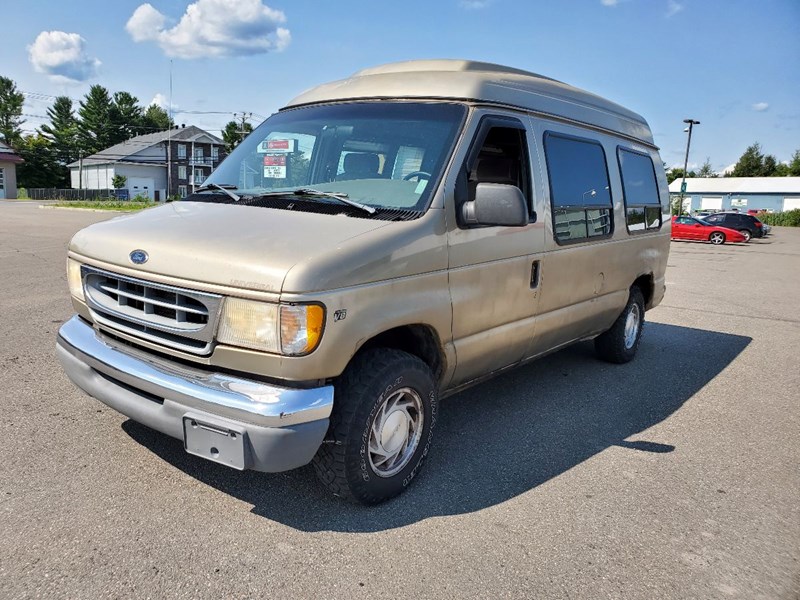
(423, 183)
(275, 166)
(277, 146)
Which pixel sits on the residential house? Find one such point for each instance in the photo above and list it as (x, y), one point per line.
(8, 172)
(774, 194)
(157, 165)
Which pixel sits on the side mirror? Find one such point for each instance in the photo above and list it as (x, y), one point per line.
(496, 204)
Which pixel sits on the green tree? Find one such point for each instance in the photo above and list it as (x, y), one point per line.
(95, 130)
(11, 102)
(677, 173)
(155, 119)
(41, 167)
(706, 170)
(62, 132)
(232, 134)
(126, 117)
(794, 164)
(753, 163)
(118, 181)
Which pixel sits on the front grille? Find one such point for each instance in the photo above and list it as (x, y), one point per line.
(174, 317)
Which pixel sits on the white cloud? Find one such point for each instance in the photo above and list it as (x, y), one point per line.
(62, 56)
(162, 101)
(673, 8)
(475, 4)
(213, 28)
(760, 106)
(609, 2)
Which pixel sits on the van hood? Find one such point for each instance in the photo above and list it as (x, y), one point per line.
(236, 246)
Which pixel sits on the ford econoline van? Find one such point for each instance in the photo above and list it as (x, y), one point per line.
(379, 243)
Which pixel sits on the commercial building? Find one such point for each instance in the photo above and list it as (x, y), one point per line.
(774, 194)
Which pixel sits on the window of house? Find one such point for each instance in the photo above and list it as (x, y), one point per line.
(215, 152)
(580, 191)
(640, 190)
(199, 176)
(182, 190)
(198, 154)
(181, 150)
(182, 172)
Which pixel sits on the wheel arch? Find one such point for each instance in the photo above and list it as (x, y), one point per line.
(646, 284)
(417, 339)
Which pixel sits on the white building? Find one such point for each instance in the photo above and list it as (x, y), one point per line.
(156, 165)
(774, 194)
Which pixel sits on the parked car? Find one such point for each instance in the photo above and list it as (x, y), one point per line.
(689, 228)
(366, 250)
(747, 225)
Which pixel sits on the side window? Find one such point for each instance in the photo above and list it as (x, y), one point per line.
(499, 156)
(580, 192)
(640, 191)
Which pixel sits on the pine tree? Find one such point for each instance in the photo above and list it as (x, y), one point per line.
(126, 117)
(750, 163)
(155, 119)
(62, 133)
(706, 170)
(95, 128)
(11, 102)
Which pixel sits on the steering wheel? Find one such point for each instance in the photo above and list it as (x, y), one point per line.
(419, 174)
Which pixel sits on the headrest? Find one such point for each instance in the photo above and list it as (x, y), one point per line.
(361, 163)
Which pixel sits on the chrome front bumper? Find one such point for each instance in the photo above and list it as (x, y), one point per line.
(281, 428)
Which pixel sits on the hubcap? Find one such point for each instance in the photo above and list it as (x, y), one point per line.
(632, 326)
(395, 432)
(716, 238)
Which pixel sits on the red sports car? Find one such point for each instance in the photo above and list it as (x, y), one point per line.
(689, 228)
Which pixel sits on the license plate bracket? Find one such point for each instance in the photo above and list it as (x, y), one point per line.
(218, 441)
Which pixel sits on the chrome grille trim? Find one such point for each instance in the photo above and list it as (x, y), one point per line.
(175, 317)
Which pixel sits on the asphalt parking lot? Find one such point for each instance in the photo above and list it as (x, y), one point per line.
(675, 476)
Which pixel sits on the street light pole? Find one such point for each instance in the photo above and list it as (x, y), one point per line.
(691, 123)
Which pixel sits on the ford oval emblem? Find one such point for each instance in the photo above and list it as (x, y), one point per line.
(138, 257)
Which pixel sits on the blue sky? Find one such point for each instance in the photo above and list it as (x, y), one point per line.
(733, 65)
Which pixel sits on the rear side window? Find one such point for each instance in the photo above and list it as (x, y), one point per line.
(640, 190)
(580, 191)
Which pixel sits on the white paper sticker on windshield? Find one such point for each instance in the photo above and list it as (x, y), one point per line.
(423, 183)
(275, 166)
(276, 146)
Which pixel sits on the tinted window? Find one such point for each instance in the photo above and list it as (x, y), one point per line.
(577, 170)
(642, 204)
(579, 188)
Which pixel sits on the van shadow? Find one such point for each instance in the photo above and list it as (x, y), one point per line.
(500, 439)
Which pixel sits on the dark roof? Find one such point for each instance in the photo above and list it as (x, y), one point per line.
(7, 154)
(121, 152)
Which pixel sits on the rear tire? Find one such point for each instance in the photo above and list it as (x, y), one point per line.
(620, 343)
(746, 234)
(717, 238)
(384, 414)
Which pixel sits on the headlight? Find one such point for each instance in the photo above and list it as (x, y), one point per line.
(74, 279)
(293, 329)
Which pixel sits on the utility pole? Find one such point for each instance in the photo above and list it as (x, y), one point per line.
(691, 123)
(245, 116)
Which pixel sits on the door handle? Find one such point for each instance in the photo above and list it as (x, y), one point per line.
(535, 274)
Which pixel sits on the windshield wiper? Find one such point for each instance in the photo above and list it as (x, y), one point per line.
(344, 198)
(223, 187)
(338, 196)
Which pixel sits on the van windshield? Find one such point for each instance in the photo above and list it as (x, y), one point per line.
(385, 155)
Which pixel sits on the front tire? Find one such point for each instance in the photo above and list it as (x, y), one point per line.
(620, 343)
(385, 410)
(717, 238)
(746, 234)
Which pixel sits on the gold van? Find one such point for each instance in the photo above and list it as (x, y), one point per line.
(377, 244)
